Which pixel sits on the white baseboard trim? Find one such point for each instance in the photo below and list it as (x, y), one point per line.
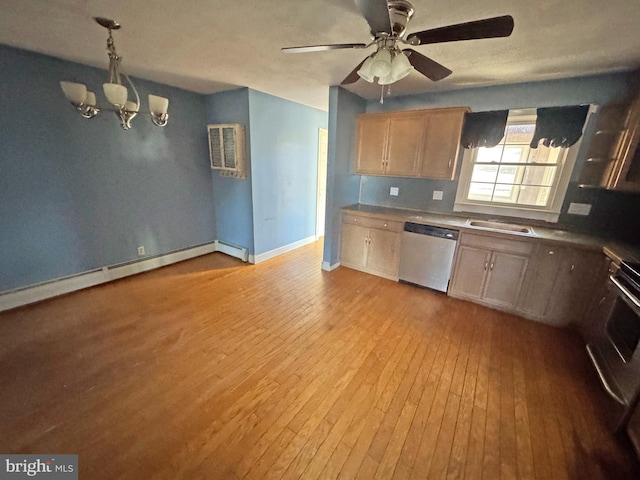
(279, 251)
(54, 288)
(327, 267)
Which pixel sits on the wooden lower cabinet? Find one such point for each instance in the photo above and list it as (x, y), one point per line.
(488, 275)
(560, 284)
(504, 279)
(470, 272)
(371, 245)
(353, 246)
(573, 287)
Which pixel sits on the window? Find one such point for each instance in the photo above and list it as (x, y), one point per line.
(513, 179)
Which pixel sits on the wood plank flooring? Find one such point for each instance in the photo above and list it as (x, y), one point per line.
(213, 369)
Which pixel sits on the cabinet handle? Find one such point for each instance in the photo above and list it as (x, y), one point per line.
(491, 267)
(550, 252)
(449, 164)
(573, 267)
(486, 264)
(355, 220)
(385, 224)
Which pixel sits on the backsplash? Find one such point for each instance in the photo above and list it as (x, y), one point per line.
(612, 213)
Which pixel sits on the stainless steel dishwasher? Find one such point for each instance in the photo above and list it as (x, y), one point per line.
(426, 255)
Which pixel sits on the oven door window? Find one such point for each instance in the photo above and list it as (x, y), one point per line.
(623, 327)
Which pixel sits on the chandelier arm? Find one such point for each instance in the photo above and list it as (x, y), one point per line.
(133, 87)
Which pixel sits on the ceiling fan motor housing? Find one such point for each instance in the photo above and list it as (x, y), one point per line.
(400, 12)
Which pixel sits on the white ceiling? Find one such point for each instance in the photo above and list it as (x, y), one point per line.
(208, 46)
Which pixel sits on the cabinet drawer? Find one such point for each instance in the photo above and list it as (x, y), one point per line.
(370, 222)
(496, 243)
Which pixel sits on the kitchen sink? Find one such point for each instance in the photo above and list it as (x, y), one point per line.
(500, 227)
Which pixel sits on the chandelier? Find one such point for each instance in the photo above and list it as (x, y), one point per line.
(85, 101)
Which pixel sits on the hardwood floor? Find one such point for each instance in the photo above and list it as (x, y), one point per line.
(213, 369)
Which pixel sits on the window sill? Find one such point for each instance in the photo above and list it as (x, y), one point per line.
(508, 211)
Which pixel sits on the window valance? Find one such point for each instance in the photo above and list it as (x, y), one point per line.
(484, 129)
(559, 126)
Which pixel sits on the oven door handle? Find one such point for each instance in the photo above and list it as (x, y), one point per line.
(628, 295)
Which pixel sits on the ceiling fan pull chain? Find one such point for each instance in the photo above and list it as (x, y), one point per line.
(382, 95)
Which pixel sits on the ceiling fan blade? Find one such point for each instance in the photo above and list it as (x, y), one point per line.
(322, 48)
(353, 77)
(429, 68)
(376, 12)
(488, 28)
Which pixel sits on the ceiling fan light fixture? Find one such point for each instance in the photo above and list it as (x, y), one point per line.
(365, 70)
(381, 66)
(400, 66)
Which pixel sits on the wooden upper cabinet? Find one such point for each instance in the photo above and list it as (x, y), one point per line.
(626, 171)
(404, 144)
(373, 131)
(415, 143)
(441, 143)
(613, 153)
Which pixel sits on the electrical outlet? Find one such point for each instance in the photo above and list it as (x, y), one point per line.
(437, 194)
(394, 191)
(141, 250)
(579, 208)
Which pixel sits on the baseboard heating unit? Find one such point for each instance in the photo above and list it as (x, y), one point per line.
(232, 250)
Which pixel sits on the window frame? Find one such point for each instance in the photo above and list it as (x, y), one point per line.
(549, 213)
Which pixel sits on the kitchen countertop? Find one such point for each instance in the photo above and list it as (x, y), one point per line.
(613, 249)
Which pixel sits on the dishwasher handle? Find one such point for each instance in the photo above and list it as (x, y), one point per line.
(431, 230)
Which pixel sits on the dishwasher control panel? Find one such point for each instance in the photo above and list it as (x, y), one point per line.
(431, 230)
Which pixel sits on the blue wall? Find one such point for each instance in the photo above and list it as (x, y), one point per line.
(611, 211)
(78, 194)
(276, 205)
(232, 196)
(342, 185)
(284, 168)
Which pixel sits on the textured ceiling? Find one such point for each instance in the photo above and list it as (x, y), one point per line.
(208, 46)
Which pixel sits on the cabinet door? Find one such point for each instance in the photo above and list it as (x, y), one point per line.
(573, 287)
(626, 172)
(383, 251)
(441, 144)
(504, 281)
(353, 249)
(372, 143)
(404, 144)
(540, 278)
(470, 271)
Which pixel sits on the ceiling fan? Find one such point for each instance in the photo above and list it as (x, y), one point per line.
(388, 21)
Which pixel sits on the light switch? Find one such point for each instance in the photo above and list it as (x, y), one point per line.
(437, 194)
(394, 191)
(579, 208)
